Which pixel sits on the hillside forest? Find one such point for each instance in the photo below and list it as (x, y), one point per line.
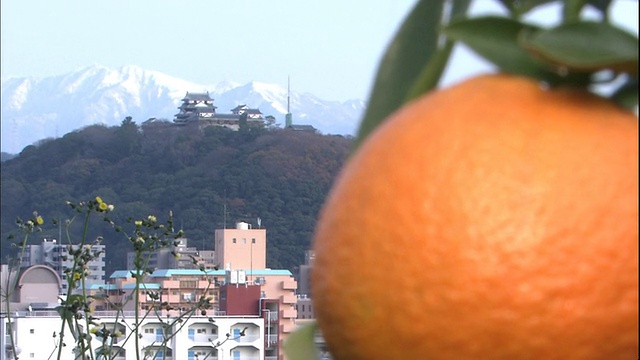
(208, 178)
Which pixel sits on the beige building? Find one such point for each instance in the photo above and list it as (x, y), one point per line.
(241, 248)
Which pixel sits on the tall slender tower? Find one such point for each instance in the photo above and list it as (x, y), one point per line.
(288, 118)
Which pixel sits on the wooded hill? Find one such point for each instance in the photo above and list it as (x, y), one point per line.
(281, 176)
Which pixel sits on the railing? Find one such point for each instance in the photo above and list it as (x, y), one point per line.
(105, 313)
(271, 339)
(203, 338)
(247, 338)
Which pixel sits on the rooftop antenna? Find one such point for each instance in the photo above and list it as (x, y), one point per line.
(224, 211)
(288, 118)
(288, 93)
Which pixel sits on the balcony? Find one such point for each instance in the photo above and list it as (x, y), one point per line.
(288, 313)
(245, 333)
(111, 353)
(202, 352)
(248, 338)
(157, 352)
(154, 333)
(109, 329)
(289, 284)
(289, 299)
(245, 353)
(202, 332)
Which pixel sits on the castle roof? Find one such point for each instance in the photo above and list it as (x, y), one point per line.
(197, 97)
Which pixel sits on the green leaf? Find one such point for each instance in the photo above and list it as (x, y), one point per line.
(627, 94)
(518, 8)
(571, 9)
(300, 344)
(404, 59)
(432, 72)
(496, 39)
(586, 47)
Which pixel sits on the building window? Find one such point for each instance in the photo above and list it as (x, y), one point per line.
(32, 331)
(253, 241)
(188, 284)
(234, 240)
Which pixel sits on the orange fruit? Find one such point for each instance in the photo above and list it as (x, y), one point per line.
(494, 219)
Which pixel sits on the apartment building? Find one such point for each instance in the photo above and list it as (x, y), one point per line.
(241, 248)
(261, 299)
(304, 273)
(56, 255)
(257, 315)
(159, 337)
(180, 256)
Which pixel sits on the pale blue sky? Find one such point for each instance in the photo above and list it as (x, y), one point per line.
(330, 48)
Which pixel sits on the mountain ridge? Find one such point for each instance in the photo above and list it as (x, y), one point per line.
(34, 109)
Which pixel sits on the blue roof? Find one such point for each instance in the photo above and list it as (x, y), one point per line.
(121, 274)
(186, 272)
(266, 272)
(99, 286)
(142, 286)
(195, 272)
(124, 287)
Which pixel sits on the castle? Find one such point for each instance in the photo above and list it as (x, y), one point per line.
(198, 108)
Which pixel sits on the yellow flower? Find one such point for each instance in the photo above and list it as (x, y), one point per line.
(76, 276)
(138, 222)
(39, 220)
(152, 218)
(103, 206)
(99, 199)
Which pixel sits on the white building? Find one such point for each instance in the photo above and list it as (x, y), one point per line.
(197, 337)
(56, 256)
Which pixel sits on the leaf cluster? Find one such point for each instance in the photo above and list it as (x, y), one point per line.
(576, 52)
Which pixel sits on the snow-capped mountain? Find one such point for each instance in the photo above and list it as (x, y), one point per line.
(35, 109)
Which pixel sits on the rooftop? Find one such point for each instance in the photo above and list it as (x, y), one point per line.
(198, 96)
(194, 272)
